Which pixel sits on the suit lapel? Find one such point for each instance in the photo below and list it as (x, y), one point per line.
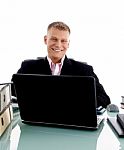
(67, 67)
(45, 66)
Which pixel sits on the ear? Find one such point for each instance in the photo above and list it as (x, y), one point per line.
(45, 39)
(68, 43)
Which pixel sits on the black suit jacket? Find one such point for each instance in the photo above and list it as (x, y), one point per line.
(70, 67)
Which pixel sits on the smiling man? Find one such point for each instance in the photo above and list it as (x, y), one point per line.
(57, 63)
(57, 41)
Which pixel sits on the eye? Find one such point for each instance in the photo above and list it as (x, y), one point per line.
(64, 41)
(53, 39)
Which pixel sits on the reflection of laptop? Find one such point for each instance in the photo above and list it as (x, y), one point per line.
(57, 100)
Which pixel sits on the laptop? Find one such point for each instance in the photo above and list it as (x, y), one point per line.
(65, 100)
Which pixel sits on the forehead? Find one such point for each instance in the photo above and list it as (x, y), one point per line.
(53, 32)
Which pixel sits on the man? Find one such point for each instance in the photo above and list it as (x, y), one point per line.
(57, 63)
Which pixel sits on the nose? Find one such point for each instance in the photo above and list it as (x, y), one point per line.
(58, 43)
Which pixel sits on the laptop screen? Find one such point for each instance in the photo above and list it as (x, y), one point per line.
(63, 100)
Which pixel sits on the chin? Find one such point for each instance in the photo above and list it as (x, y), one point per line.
(57, 58)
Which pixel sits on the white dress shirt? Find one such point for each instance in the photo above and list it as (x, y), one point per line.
(55, 68)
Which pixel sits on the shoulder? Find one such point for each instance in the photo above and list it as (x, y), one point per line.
(80, 63)
(31, 65)
(33, 61)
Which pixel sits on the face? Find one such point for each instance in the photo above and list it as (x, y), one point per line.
(57, 42)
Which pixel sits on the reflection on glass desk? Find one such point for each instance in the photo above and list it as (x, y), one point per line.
(20, 136)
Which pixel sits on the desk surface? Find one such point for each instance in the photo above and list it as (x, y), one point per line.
(20, 136)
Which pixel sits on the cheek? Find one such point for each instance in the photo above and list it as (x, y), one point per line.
(66, 46)
(49, 43)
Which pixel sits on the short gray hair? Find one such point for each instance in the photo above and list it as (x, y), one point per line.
(59, 25)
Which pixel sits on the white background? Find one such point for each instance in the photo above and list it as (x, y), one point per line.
(97, 36)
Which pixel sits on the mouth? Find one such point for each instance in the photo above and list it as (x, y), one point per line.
(56, 50)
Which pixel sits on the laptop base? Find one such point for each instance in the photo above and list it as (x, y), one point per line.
(57, 125)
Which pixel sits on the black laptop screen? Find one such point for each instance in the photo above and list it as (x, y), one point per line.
(66, 100)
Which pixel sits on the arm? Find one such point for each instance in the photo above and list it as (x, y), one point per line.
(102, 97)
(87, 70)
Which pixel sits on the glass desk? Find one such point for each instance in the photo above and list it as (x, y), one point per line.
(20, 136)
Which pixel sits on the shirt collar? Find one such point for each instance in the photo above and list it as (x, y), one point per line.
(50, 61)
